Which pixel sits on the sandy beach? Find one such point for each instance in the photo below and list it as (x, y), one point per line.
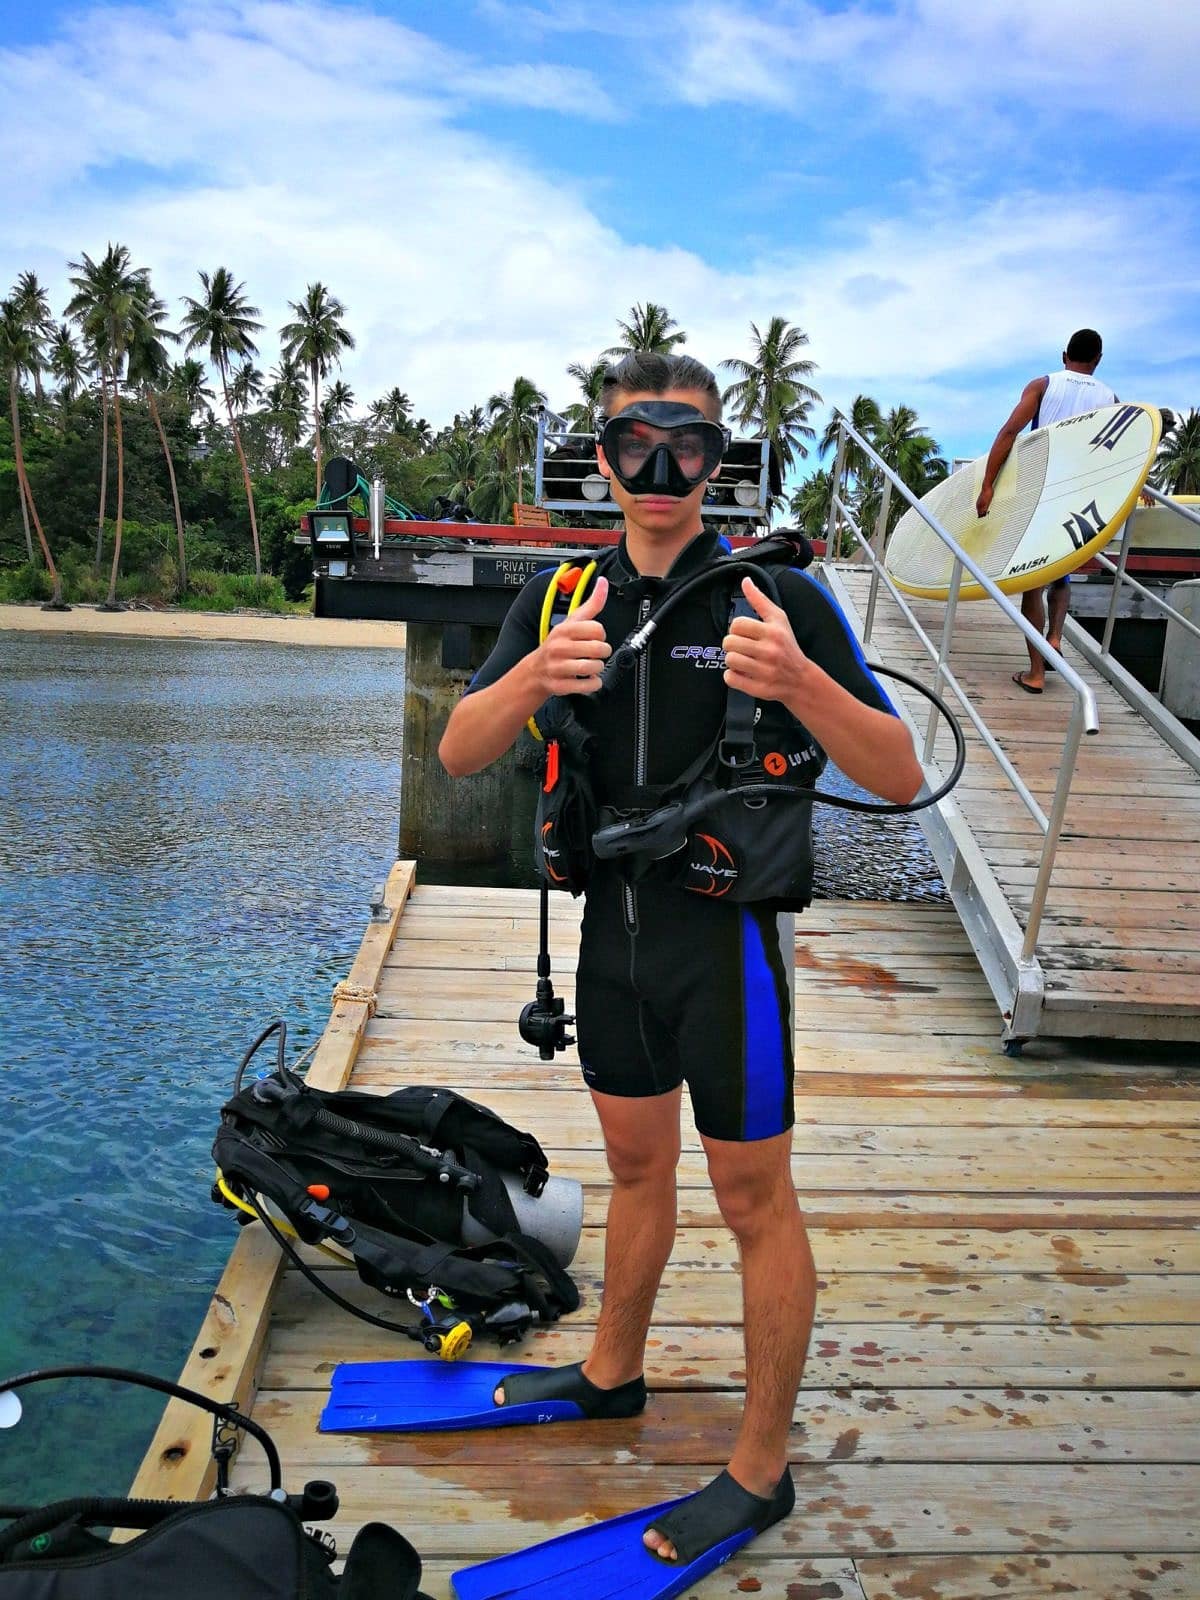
(242, 626)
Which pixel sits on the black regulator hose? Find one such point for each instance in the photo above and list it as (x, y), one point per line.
(627, 652)
(223, 1410)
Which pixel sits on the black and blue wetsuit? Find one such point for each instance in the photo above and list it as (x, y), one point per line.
(674, 987)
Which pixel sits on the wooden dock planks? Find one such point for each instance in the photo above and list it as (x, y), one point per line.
(1120, 943)
(1000, 1396)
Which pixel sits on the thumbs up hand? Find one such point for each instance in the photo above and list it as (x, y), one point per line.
(572, 655)
(762, 657)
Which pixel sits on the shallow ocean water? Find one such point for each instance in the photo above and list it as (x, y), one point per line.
(189, 834)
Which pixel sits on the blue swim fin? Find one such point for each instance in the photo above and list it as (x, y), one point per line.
(430, 1397)
(606, 1561)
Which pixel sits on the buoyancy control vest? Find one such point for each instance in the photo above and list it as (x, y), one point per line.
(414, 1188)
(730, 826)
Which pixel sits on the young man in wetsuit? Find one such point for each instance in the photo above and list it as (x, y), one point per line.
(1044, 400)
(675, 987)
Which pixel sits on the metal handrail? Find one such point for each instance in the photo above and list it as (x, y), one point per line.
(1121, 577)
(1084, 716)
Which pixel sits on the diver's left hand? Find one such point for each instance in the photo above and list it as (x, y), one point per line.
(762, 657)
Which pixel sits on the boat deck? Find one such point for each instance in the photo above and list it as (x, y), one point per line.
(1000, 1397)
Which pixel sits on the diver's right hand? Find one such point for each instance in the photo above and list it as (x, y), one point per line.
(573, 653)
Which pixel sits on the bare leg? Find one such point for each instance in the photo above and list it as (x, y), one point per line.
(754, 1189)
(1033, 609)
(641, 1141)
(1060, 595)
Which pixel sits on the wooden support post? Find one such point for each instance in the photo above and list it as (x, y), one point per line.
(444, 818)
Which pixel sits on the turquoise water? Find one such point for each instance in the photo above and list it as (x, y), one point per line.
(189, 833)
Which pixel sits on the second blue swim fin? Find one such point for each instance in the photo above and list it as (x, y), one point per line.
(606, 1561)
(431, 1397)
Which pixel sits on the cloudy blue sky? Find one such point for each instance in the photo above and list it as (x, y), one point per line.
(936, 193)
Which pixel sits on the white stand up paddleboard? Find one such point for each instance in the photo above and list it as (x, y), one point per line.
(1063, 493)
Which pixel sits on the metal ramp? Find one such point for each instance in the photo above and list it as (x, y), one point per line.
(1119, 942)
(1072, 860)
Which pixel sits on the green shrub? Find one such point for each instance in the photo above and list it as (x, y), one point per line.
(262, 594)
(233, 591)
(82, 584)
(28, 582)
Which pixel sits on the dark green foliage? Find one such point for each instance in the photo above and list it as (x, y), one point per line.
(27, 582)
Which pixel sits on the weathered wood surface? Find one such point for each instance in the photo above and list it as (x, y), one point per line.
(1121, 935)
(1000, 1396)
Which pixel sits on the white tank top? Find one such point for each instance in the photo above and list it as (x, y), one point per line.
(1068, 393)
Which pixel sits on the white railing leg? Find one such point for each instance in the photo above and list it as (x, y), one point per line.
(939, 675)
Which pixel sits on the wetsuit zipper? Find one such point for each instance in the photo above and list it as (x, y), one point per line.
(641, 717)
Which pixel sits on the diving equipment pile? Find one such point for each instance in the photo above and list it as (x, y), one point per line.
(434, 1199)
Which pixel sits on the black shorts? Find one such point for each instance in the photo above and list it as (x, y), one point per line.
(694, 992)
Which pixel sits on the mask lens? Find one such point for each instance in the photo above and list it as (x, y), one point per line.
(696, 448)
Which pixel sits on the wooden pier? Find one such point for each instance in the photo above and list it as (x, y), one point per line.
(1000, 1394)
(1119, 946)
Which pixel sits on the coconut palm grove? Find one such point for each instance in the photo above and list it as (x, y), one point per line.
(157, 454)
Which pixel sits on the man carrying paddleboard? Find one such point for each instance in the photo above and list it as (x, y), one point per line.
(676, 986)
(1045, 400)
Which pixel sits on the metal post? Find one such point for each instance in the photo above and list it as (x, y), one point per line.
(877, 544)
(831, 523)
(943, 654)
(1118, 579)
(377, 513)
(539, 458)
(1054, 824)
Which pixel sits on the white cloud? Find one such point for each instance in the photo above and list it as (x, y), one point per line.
(295, 143)
(1026, 60)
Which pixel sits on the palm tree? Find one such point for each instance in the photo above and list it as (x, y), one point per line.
(316, 339)
(583, 414)
(245, 387)
(149, 371)
(336, 406)
(649, 328)
(859, 471)
(770, 393)
(33, 306)
(224, 321)
(864, 418)
(67, 362)
(809, 504)
(19, 350)
(393, 411)
(285, 397)
(187, 381)
(458, 467)
(514, 427)
(1177, 466)
(107, 305)
(913, 455)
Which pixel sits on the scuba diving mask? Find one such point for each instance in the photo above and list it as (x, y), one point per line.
(662, 447)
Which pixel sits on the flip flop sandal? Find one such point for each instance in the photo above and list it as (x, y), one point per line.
(1030, 688)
